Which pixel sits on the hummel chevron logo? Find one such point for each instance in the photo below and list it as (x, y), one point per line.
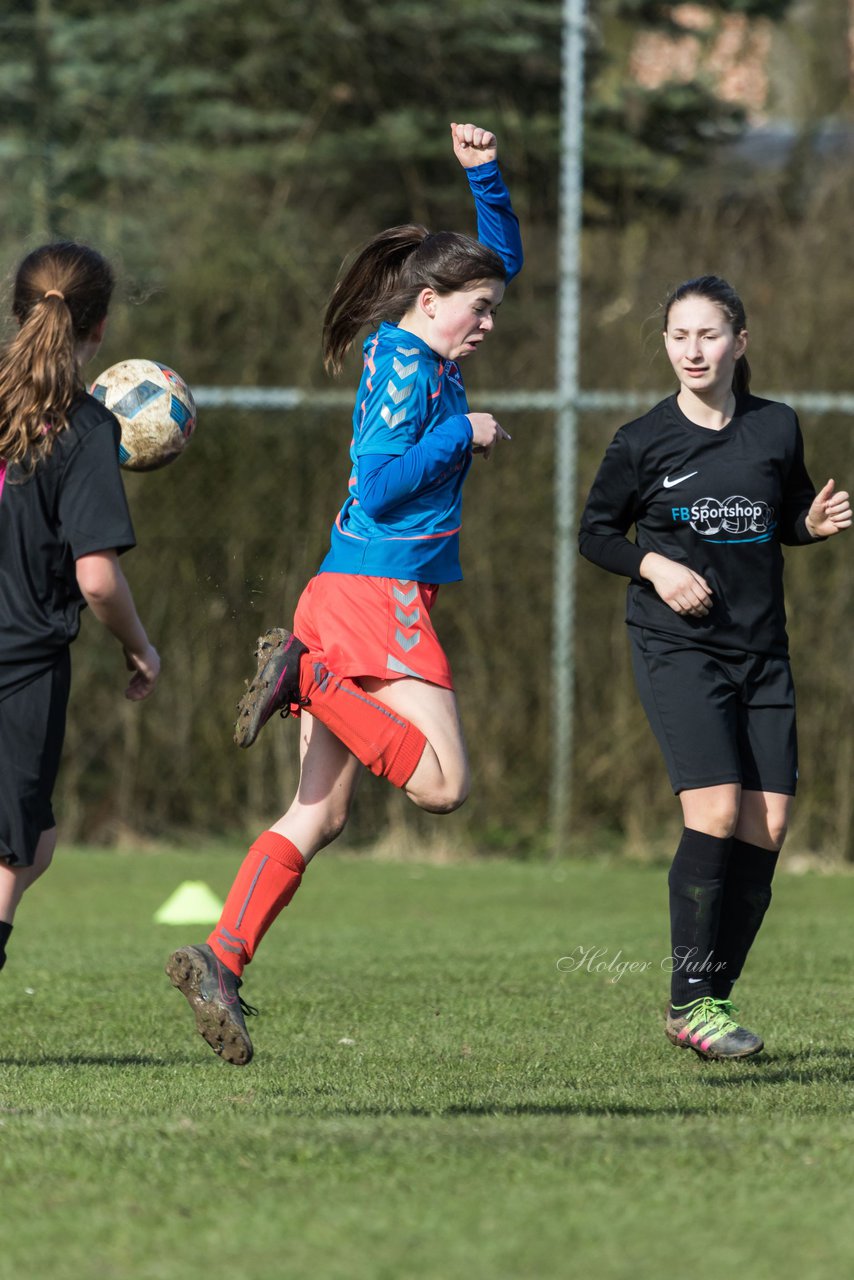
(668, 483)
(392, 419)
(407, 642)
(404, 370)
(399, 393)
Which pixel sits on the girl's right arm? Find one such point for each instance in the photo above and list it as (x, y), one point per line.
(678, 586)
(107, 593)
(610, 511)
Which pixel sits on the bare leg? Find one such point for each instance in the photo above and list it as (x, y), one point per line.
(712, 810)
(329, 778)
(763, 819)
(330, 773)
(14, 881)
(441, 779)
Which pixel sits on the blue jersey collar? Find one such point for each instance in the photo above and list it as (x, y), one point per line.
(393, 334)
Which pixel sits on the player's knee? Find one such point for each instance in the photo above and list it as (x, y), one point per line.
(723, 825)
(333, 824)
(44, 852)
(443, 799)
(452, 800)
(777, 829)
(720, 820)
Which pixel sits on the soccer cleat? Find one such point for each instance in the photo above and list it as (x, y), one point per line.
(708, 1028)
(275, 687)
(212, 993)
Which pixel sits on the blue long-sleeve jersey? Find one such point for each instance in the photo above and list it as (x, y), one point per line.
(412, 440)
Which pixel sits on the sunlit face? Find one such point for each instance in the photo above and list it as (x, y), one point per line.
(702, 346)
(458, 322)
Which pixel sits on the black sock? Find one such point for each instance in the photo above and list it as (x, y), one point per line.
(747, 893)
(696, 884)
(5, 931)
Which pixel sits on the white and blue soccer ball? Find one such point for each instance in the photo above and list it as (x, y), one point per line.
(155, 409)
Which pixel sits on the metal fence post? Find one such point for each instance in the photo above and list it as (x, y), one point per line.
(566, 425)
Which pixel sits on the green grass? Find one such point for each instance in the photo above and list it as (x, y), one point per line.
(493, 1116)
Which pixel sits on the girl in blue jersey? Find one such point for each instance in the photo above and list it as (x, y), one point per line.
(714, 481)
(364, 660)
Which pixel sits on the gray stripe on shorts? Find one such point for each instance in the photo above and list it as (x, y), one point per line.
(394, 664)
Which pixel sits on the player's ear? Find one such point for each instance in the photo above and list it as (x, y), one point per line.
(740, 344)
(427, 302)
(98, 331)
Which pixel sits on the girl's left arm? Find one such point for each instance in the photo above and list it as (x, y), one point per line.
(807, 516)
(386, 480)
(830, 512)
(497, 224)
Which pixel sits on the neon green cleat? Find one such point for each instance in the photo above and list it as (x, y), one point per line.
(707, 1027)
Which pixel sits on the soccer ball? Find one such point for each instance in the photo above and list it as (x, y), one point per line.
(155, 409)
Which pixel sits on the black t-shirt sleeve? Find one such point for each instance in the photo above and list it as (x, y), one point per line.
(798, 496)
(92, 507)
(610, 511)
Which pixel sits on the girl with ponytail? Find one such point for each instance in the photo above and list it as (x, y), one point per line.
(63, 522)
(364, 664)
(713, 479)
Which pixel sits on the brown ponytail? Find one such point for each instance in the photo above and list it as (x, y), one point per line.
(388, 274)
(62, 292)
(741, 377)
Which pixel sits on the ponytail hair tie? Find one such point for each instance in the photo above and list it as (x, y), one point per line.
(53, 293)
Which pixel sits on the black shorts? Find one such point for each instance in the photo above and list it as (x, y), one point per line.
(719, 715)
(32, 729)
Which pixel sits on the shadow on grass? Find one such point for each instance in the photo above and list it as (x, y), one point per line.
(809, 1066)
(522, 1109)
(87, 1060)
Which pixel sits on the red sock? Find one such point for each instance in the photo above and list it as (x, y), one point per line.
(267, 880)
(385, 742)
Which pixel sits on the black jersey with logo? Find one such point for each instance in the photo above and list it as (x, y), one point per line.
(70, 505)
(720, 502)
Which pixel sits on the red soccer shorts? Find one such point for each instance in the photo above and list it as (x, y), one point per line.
(372, 627)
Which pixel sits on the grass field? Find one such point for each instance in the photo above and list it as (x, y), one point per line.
(431, 1096)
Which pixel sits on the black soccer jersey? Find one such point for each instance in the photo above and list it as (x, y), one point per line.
(72, 504)
(720, 502)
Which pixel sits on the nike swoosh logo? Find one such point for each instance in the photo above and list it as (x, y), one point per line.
(668, 483)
